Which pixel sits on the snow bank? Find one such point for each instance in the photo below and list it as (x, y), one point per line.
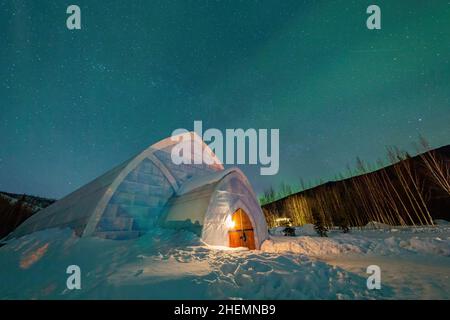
(385, 241)
(377, 225)
(311, 246)
(305, 230)
(434, 246)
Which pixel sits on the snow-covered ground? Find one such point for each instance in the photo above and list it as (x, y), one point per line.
(414, 262)
(167, 264)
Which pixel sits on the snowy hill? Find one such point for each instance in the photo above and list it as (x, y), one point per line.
(34, 202)
(412, 190)
(15, 208)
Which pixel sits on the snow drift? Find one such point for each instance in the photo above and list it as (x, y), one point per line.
(171, 264)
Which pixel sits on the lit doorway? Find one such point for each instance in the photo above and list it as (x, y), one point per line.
(242, 233)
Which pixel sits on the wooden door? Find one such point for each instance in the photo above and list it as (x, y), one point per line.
(242, 234)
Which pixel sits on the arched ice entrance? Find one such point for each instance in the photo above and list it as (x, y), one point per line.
(242, 233)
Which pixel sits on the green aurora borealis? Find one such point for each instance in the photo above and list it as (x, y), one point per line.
(75, 103)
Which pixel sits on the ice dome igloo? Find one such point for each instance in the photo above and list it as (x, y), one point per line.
(150, 191)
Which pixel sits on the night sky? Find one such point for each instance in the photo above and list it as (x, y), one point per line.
(75, 103)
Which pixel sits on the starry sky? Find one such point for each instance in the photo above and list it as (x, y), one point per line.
(75, 103)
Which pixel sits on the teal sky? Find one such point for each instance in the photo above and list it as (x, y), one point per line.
(74, 104)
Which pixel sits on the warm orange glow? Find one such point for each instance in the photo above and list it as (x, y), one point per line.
(241, 233)
(33, 257)
(230, 223)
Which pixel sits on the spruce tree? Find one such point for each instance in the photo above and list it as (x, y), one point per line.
(319, 224)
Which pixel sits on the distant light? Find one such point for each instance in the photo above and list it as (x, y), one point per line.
(229, 222)
(282, 219)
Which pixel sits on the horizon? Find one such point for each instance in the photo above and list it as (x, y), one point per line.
(340, 176)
